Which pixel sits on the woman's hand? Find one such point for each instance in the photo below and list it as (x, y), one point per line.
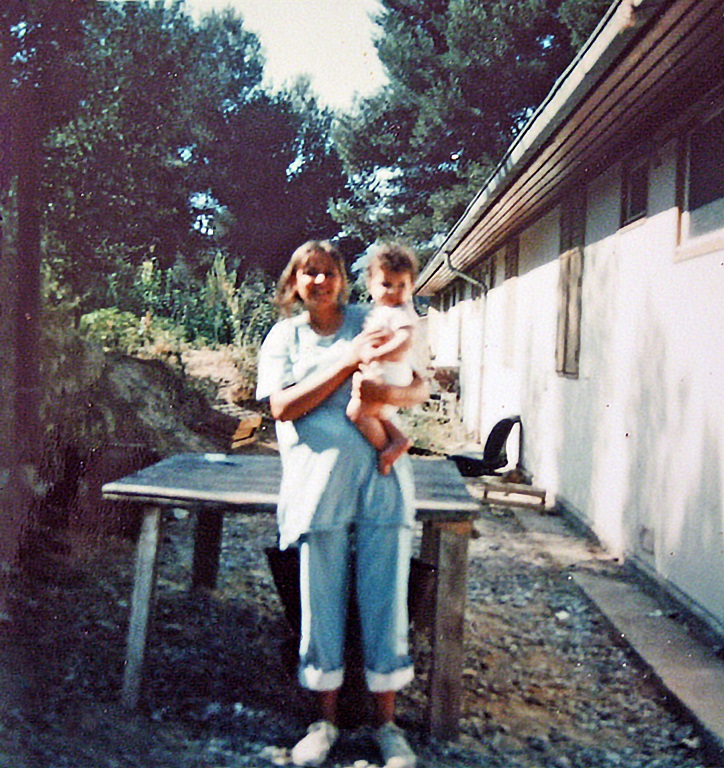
(363, 345)
(297, 400)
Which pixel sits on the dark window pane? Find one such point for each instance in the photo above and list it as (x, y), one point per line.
(706, 163)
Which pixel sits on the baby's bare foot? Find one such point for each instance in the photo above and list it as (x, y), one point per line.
(390, 455)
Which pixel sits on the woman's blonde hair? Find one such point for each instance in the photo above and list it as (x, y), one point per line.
(287, 297)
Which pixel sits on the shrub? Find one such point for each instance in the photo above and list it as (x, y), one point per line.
(113, 329)
(147, 336)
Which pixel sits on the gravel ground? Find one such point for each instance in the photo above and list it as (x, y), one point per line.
(546, 684)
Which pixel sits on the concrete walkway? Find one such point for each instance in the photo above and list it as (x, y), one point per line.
(688, 669)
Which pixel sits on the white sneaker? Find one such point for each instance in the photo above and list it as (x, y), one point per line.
(314, 747)
(396, 752)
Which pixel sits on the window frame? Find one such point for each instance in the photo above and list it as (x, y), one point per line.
(512, 258)
(691, 245)
(631, 173)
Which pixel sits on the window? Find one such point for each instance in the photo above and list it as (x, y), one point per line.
(635, 190)
(511, 258)
(476, 290)
(703, 187)
(481, 276)
(572, 241)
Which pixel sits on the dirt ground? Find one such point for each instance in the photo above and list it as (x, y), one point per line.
(546, 684)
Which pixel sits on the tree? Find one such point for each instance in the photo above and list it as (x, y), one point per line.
(122, 171)
(177, 151)
(39, 85)
(464, 77)
(272, 170)
(34, 39)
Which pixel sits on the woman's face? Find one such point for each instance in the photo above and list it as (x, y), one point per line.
(318, 281)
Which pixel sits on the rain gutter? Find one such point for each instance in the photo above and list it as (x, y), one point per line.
(622, 22)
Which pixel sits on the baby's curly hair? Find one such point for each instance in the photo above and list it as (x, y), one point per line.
(392, 257)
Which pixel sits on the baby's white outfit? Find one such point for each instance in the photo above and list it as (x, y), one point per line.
(396, 372)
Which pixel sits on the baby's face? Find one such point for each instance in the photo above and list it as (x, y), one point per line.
(390, 289)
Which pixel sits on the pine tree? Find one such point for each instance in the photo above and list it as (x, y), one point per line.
(465, 75)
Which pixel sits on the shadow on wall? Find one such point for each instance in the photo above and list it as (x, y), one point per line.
(702, 536)
(647, 436)
(674, 508)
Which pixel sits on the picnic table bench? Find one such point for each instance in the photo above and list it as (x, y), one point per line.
(215, 485)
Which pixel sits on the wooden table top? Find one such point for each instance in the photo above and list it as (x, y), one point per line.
(235, 482)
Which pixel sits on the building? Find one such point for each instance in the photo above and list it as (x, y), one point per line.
(583, 290)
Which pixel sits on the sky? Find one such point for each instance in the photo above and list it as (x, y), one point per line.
(329, 40)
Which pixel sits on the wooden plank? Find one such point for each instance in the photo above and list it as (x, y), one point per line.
(514, 495)
(243, 483)
(502, 486)
(142, 603)
(207, 549)
(204, 477)
(429, 543)
(448, 628)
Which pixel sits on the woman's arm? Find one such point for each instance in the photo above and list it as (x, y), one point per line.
(376, 391)
(298, 399)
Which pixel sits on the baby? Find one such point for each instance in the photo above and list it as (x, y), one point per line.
(390, 280)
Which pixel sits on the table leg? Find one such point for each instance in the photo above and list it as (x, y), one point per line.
(142, 604)
(207, 549)
(450, 540)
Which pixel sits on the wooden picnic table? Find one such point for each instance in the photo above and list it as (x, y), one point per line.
(214, 485)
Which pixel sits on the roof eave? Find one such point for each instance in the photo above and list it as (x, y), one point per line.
(620, 26)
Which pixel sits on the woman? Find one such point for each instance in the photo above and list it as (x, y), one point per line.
(332, 494)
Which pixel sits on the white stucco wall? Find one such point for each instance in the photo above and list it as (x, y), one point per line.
(444, 334)
(653, 376)
(472, 340)
(635, 444)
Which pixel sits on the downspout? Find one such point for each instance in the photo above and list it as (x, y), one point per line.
(463, 275)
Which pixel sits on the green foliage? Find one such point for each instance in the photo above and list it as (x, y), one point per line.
(465, 75)
(163, 309)
(114, 330)
(120, 173)
(431, 430)
(35, 41)
(174, 150)
(146, 336)
(273, 169)
(251, 308)
(245, 358)
(241, 314)
(581, 18)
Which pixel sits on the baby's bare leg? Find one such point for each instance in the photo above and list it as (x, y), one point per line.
(368, 422)
(398, 443)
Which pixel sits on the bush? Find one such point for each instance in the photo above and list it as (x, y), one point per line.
(431, 430)
(219, 310)
(114, 330)
(118, 331)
